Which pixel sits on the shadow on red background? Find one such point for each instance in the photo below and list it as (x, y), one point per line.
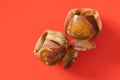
(102, 61)
(23, 21)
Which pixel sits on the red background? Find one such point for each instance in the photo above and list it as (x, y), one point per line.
(23, 21)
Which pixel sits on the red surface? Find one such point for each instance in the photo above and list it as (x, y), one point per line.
(23, 21)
